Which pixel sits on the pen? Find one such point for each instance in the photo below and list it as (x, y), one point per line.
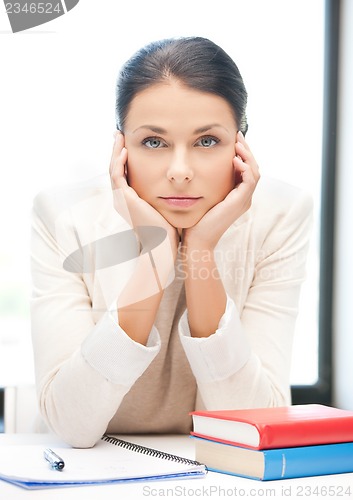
(54, 460)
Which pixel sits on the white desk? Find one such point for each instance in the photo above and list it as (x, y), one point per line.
(213, 486)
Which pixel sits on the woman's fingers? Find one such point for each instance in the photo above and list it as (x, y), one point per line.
(247, 170)
(118, 162)
(245, 156)
(241, 140)
(243, 150)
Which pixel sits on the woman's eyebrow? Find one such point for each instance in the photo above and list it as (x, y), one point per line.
(200, 130)
(152, 128)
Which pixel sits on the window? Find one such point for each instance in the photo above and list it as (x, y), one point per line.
(321, 390)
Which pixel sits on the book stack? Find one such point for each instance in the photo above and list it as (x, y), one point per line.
(275, 443)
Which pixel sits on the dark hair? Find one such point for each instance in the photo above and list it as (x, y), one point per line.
(196, 62)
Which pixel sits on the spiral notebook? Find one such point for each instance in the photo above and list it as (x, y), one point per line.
(111, 460)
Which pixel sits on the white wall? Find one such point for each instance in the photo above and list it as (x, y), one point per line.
(57, 118)
(343, 288)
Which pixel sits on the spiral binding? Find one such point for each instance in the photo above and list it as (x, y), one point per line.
(148, 451)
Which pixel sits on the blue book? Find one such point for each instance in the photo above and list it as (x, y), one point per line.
(272, 464)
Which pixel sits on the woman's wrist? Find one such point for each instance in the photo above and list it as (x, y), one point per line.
(174, 240)
(191, 245)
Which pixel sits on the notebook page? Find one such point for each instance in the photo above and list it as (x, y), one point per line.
(104, 462)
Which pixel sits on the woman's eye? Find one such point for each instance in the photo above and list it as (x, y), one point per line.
(207, 142)
(153, 143)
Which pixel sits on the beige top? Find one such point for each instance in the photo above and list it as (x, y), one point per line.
(91, 377)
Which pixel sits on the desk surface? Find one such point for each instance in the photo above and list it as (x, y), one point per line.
(213, 486)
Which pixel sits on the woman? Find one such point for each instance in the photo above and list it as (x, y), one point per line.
(176, 287)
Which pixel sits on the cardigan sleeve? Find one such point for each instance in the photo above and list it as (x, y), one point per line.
(83, 368)
(221, 354)
(247, 362)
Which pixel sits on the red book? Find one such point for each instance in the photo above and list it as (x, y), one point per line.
(278, 427)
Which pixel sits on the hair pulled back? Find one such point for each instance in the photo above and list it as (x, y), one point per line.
(196, 62)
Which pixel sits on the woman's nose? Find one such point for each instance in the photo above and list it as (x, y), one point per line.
(180, 170)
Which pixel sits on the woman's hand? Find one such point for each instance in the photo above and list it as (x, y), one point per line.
(139, 301)
(209, 229)
(137, 212)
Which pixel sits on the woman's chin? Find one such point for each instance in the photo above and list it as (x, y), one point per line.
(183, 222)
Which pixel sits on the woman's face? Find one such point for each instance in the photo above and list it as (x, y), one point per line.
(180, 145)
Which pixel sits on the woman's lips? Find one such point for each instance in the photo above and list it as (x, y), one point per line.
(181, 201)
